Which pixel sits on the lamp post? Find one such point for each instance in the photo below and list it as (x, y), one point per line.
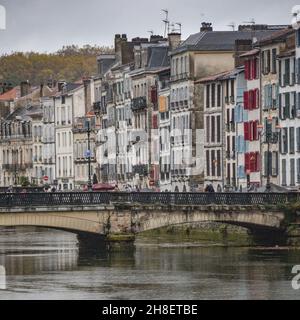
(90, 186)
(271, 138)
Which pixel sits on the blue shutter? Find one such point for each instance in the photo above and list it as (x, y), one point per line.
(236, 116)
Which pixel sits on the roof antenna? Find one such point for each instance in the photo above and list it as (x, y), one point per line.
(231, 25)
(179, 24)
(252, 21)
(151, 32)
(166, 22)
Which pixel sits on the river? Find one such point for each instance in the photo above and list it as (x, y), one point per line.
(47, 264)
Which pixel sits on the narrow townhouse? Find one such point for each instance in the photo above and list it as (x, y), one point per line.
(272, 112)
(289, 138)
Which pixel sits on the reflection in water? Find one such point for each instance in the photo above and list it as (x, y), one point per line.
(49, 265)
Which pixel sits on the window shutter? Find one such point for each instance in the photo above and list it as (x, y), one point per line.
(255, 131)
(246, 131)
(266, 163)
(247, 161)
(257, 162)
(246, 100)
(257, 98)
(280, 106)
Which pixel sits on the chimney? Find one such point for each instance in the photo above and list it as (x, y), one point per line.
(41, 90)
(174, 40)
(206, 26)
(241, 46)
(60, 85)
(156, 38)
(123, 51)
(87, 94)
(25, 86)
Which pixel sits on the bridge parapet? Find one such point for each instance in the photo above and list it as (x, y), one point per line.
(8, 200)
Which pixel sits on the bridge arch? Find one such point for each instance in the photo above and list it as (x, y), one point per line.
(249, 220)
(68, 223)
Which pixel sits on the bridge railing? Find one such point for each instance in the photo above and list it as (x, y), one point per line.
(106, 198)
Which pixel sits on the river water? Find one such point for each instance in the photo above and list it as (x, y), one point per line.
(47, 264)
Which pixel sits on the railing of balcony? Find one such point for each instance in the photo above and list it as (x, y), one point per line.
(138, 103)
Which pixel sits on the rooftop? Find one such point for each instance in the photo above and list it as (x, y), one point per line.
(220, 40)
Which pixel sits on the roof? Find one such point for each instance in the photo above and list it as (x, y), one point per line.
(159, 57)
(250, 53)
(221, 76)
(219, 40)
(10, 95)
(277, 36)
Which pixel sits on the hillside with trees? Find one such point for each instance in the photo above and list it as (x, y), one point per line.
(69, 63)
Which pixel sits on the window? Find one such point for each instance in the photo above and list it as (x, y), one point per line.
(213, 95)
(292, 140)
(274, 66)
(207, 164)
(219, 95)
(286, 79)
(275, 164)
(208, 96)
(218, 129)
(219, 163)
(298, 140)
(207, 129)
(298, 170)
(292, 169)
(284, 141)
(213, 128)
(213, 164)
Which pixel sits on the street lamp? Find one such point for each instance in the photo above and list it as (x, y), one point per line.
(90, 186)
(271, 138)
(88, 153)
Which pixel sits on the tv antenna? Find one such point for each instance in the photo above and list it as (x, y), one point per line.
(252, 21)
(231, 25)
(179, 24)
(166, 22)
(151, 32)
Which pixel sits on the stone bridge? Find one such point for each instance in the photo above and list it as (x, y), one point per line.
(108, 215)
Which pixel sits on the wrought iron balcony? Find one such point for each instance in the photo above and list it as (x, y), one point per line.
(17, 167)
(139, 103)
(141, 169)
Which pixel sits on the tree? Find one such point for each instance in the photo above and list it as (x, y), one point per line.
(70, 63)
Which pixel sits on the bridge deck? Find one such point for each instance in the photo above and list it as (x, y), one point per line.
(8, 200)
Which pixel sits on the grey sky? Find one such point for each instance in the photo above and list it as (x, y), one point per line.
(47, 25)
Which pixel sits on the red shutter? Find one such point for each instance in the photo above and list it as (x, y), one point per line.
(257, 164)
(257, 98)
(246, 131)
(250, 100)
(155, 124)
(246, 100)
(247, 162)
(251, 131)
(154, 95)
(255, 131)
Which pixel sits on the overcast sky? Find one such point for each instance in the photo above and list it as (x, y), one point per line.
(47, 25)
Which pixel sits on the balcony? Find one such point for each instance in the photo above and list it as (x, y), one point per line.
(180, 77)
(141, 170)
(139, 103)
(17, 167)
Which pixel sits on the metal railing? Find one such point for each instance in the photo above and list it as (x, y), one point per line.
(104, 198)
